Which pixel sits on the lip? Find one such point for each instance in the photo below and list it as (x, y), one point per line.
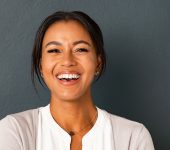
(68, 72)
(71, 82)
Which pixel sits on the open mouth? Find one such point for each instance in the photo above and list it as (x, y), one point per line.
(68, 77)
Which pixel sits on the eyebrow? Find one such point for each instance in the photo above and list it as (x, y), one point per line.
(80, 42)
(53, 43)
(74, 43)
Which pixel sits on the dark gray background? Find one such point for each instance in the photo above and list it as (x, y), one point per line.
(136, 84)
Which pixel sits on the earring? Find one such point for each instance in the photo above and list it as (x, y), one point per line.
(41, 75)
(97, 73)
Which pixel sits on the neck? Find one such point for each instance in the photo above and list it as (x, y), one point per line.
(73, 116)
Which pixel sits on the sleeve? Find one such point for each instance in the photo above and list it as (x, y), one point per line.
(144, 140)
(9, 136)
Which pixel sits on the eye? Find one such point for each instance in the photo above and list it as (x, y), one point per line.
(81, 50)
(54, 51)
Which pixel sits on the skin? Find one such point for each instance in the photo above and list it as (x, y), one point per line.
(68, 48)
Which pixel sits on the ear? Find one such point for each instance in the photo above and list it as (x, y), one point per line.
(99, 64)
(40, 68)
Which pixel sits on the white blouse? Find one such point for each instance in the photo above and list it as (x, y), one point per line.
(109, 132)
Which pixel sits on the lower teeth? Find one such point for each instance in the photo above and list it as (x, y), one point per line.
(68, 79)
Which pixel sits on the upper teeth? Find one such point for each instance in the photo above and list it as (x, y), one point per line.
(68, 76)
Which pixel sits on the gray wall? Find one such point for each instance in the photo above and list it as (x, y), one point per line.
(136, 84)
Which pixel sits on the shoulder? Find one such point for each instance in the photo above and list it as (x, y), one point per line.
(19, 130)
(131, 133)
(20, 122)
(125, 124)
(121, 124)
(21, 118)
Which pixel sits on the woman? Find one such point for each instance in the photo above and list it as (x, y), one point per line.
(68, 55)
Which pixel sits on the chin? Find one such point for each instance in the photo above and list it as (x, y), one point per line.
(70, 97)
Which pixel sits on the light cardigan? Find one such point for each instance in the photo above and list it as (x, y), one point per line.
(19, 132)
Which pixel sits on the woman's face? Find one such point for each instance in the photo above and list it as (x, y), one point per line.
(69, 61)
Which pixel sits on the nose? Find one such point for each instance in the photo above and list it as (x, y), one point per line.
(68, 60)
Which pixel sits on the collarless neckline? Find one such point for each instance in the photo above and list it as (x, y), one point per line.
(61, 133)
(95, 129)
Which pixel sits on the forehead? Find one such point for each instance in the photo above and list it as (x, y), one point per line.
(67, 30)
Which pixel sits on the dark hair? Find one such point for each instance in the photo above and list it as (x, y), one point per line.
(91, 27)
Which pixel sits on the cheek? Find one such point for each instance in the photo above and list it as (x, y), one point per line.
(90, 64)
(47, 70)
(46, 66)
(92, 61)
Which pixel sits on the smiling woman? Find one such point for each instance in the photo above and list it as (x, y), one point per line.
(68, 55)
